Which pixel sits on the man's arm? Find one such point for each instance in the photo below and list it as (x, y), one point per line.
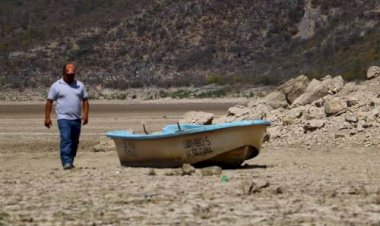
(86, 109)
(48, 106)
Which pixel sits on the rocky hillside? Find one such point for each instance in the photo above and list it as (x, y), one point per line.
(132, 44)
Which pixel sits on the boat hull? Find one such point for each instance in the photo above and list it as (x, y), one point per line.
(227, 146)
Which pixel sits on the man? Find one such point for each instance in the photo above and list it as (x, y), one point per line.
(69, 95)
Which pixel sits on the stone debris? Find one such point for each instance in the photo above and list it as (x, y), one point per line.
(303, 112)
(325, 111)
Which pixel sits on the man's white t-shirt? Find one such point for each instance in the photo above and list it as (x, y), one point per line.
(68, 98)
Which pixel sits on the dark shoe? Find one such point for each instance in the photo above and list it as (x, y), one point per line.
(67, 166)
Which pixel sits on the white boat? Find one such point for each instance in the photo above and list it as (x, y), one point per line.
(226, 144)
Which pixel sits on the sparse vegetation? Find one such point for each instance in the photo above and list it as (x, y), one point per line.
(136, 44)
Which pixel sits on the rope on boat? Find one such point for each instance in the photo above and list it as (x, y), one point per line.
(146, 132)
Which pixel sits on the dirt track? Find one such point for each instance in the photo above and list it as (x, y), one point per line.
(324, 185)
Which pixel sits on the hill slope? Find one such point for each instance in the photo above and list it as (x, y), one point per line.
(123, 44)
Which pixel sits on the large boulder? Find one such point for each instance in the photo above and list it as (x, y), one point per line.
(239, 113)
(235, 113)
(315, 90)
(294, 87)
(373, 72)
(275, 100)
(197, 117)
(333, 84)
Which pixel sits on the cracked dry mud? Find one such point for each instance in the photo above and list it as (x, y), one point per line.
(332, 185)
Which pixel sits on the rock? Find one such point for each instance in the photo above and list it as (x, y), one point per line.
(334, 85)
(335, 106)
(238, 110)
(197, 117)
(211, 171)
(250, 187)
(151, 172)
(286, 121)
(187, 169)
(246, 187)
(209, 195)
(350, 117)
(360, 128)
(312, 112)
(278, 190)
(375, 113)
(362, 115)
(338, 83)
(373, 72)
(104, 146)
(314, 125)
(276, 100)
(294, 87)
(260, 111)
(222, 119)
(327, 77)
(315, 90)
(360, 190)
(348, 88)
(318, 103)
(365, 124)
(339, 135)
(345, 125)
(354, 132)
(296, 112)
(275, 115)
(376, 200)
(351, 101)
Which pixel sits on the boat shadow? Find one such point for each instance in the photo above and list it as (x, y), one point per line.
(249, 166)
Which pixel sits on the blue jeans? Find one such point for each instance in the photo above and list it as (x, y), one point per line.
(70, 132)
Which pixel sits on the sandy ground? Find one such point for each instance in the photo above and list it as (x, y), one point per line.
(322, 186)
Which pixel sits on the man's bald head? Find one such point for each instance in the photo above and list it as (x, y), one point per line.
(69, 69)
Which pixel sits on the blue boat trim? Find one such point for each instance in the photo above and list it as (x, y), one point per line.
(172, 130)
